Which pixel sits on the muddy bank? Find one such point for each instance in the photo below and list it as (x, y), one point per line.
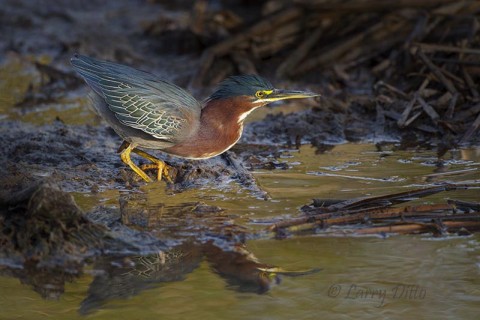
(85, 159)
(43, 225)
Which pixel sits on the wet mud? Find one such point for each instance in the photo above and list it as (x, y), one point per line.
(85, 159)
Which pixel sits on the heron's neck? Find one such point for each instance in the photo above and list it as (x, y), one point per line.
(225, 113)
(221, 125)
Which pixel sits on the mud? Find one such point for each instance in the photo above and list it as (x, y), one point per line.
(43, 225)
(85, 159)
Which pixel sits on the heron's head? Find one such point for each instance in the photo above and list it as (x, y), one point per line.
(255, 89)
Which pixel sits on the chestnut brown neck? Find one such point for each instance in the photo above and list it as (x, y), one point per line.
(221, 125)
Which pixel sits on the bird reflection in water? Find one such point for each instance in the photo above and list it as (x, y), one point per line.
(122, 278)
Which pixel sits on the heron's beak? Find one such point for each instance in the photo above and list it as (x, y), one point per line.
(278, 95)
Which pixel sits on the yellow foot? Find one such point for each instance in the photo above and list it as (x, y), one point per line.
(125, 156)
(162, 168)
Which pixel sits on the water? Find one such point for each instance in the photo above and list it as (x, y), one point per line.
(360, 277)
(443, 273)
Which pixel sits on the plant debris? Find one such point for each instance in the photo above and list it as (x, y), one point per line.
(379, 216)
(413, 65)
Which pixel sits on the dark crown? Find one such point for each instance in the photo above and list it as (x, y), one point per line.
(244, 85)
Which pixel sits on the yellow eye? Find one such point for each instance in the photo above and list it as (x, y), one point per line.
(259, 94)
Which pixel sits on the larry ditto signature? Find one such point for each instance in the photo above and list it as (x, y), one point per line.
(377, 295)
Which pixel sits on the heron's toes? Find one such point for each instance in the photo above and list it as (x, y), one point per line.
(166, 173)
(162, 170)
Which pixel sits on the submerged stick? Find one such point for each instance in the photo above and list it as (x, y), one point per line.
(379, 209)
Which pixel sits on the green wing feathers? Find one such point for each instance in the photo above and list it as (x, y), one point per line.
(139, 99)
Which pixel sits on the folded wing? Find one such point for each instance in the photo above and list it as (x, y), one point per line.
(139, 99)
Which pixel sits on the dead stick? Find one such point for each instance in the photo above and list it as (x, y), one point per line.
(271, 42)
(392, 88)
(429, 48)
(437, 72)
(409, 211)
(451, 106)
(456, 61)
(222, 48)
(389, 214)
(471, 85)
(462, 204)
(244, 64)
(371, 5)
(406, 112)
(414, 228)
(403, 122)
(347, 45)
(453, 77)
(297, 221)
(467, 113)
(428, 109)
(345, 207)
(379, 121)
(471, 130)
(413, 118)
(393, 198)
(300, 53)
(395, 228)
(449, 173)
(424, 84)
(270, 48)
(457, 7)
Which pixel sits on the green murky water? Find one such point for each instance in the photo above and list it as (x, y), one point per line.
(363, 277)
(414, 277)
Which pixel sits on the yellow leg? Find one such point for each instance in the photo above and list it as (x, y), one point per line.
(157, 164)
(125, 156)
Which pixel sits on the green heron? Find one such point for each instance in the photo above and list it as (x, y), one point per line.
(148, 112)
